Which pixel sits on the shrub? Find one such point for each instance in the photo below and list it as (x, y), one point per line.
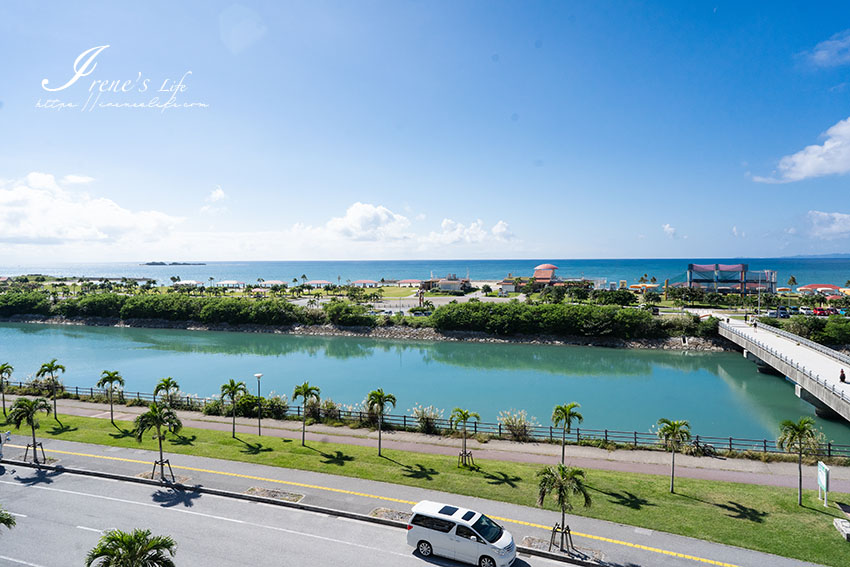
(24, 303)
(275, 407)
(312, 408)
(518, 424)
(426, 417)
(215, 407)
(330, 410)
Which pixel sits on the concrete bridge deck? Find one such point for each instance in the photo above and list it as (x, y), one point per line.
(813, 367)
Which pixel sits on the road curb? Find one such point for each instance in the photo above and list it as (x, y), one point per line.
(264, 500)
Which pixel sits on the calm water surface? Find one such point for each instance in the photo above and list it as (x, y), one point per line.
(720, 393)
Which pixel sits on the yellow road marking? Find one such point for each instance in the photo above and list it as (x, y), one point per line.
(387, 498)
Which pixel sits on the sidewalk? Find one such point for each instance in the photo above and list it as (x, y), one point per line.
(637, 461)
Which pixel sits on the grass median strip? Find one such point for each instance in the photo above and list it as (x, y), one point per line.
(756, 517)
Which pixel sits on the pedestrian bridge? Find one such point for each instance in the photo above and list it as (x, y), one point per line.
(812, 367)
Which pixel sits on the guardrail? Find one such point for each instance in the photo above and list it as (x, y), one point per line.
(789, 361)
(535, 433)
(841, 357)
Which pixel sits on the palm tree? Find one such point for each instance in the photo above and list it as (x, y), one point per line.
(305, 391)
(166, 385)
(6, 370)
(135, 549)
(233, 390)
(566, 414)
(673, 433)
(108, 379)
(6, 519)
(563, 483)
(792, 281)
(157, 417)
(462, 416)
(50, 369)
(25, 410)
(378, 401)
(798, 437)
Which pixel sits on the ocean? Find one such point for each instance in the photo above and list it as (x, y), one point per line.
(805, 270)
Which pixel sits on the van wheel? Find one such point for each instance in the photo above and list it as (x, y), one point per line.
(486, 562)
(425, 549)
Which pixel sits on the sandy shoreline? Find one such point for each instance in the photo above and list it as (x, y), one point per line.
(392, 333)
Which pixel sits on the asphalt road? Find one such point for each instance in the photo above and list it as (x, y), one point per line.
(61, 520)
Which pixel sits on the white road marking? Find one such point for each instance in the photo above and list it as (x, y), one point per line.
(90, 529)
(211, 516)
(20, 562)
(18, 515)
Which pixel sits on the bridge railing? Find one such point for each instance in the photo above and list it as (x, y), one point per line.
(534, 433)
(832, 353)
(784, 358)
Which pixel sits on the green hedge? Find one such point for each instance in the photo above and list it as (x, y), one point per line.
(495, 318)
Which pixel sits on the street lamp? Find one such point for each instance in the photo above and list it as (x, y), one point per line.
(259, 406)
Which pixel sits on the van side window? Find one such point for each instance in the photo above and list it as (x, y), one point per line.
(463, 531)
(437, 524)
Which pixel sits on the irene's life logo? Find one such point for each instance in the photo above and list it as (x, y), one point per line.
(139, 91)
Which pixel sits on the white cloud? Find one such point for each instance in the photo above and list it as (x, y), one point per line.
(669, 231)
(833, 52)
(502, 231)
(831, 157)
(38, 210)
(366, 222)
(72, 179)
(215, 196)
(828, 226)
(42, 220)
(737, 233)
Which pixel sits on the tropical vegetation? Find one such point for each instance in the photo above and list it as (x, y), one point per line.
(233, 390)
(798, 437)
(108, 380)
(673, 433)
(563, 416)
(49, 370)
(377, 401)
(132, 549)
(25, 411)
(158, 417)
(462, 416)
(306, 392)
(563, 483)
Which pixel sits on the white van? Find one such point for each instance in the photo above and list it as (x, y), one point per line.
(460, 534)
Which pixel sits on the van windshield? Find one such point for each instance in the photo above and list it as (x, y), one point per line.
(489, 530)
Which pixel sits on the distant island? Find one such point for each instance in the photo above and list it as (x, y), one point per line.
(173, 264)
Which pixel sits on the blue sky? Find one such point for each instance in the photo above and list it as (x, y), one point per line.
(359, 130)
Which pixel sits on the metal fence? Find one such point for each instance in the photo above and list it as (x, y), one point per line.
(535, 433)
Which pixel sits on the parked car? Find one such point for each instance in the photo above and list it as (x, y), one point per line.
(772, 313)
(806, 311)
(820, 312)
(794, 310)
(460, 534)
(782, 311)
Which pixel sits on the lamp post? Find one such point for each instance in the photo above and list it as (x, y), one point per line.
(259, 406)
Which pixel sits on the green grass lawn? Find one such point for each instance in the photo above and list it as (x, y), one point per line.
(393, 292)
(756, 517)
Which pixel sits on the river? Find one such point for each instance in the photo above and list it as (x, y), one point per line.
(721, 394)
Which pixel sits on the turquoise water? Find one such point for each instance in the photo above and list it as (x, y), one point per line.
(806, 270)
(720, 393)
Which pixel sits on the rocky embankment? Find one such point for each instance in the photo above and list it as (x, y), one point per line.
(390, 332)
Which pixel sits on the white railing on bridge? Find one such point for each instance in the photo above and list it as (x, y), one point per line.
(789, 361)
(840, 357)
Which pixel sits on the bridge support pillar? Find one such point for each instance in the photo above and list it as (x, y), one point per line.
(821, 409)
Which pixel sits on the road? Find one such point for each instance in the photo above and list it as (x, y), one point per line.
(617, 544)
(60, 520)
